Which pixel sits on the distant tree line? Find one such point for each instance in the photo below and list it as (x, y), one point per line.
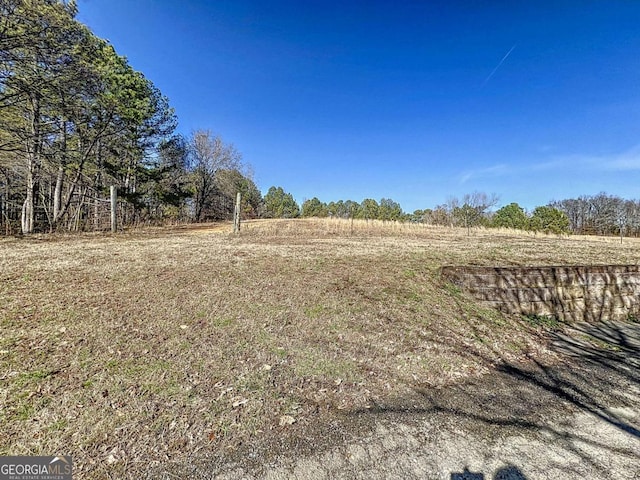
(280, 204)
(368, 209)
(473, 210)
(600, 214)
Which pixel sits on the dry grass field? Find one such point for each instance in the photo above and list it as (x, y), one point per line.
(169, 346)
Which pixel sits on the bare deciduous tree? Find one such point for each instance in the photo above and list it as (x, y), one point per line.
(208, 154)
(601, 214)
(472, 208)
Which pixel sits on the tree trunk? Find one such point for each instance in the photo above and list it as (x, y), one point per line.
(57, 192)
(57, 196)
(28, 217)
(33, 153)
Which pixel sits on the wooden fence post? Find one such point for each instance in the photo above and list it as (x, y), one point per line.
(236, 214)
(114, 206)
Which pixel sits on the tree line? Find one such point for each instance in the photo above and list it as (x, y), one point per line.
(280, 204)
(475, 209)
(76, 118)
(600, 214)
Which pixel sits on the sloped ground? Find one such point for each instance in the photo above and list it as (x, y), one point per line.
(196, 355)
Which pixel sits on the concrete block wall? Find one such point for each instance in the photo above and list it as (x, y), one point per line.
(572, 293)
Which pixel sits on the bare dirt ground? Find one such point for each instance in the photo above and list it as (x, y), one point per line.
(304, 349)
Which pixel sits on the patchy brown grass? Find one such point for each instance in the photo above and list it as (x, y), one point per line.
(162, 346)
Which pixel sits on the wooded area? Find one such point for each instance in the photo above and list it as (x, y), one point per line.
(76, 119)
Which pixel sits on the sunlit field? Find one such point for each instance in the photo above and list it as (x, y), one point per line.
(162, 346)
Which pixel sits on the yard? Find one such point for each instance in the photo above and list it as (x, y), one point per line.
(189, 344)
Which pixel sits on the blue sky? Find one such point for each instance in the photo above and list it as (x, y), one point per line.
(413, 100)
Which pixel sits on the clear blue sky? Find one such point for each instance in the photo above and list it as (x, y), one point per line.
(409, 100)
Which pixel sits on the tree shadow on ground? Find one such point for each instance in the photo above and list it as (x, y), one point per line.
(509, 472)
(598, 374)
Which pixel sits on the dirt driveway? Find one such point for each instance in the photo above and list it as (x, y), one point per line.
(576, 420)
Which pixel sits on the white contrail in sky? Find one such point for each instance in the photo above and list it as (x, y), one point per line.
(498, 66)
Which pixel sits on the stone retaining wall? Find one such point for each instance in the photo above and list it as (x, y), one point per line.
(572, 293)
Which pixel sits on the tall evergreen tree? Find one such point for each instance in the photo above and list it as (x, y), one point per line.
(511, 216)
(72, 110)
(280, 204)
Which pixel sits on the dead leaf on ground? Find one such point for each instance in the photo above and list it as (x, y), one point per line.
(286, 420)
(239, 403)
